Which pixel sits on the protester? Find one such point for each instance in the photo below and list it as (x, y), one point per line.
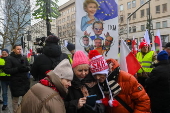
(119, 86)
(17, 66)
(50, 58)
(71, 48)
(83, 85)
(158, 85)
(5, 78)
(167, 49)
(47, 95)
(145, 58)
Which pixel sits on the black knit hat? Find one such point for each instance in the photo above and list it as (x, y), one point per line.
(70, 46)
(5, 50)
(52, 39)
(167, 45)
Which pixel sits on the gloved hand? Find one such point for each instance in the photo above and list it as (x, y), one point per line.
(23, 69)
(114, 87)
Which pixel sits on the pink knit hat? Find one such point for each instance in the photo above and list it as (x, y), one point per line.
(79, 58)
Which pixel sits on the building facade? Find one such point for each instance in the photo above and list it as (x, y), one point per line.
(66, 22)
(160, 16)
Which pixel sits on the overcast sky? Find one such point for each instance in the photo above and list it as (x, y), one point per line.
(61, 2)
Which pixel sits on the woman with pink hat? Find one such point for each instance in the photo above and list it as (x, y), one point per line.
(83, 85)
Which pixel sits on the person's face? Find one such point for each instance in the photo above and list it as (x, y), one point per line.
(168, 51)
(72, 52)
(145, 49)
(91, 9)
(98, 43)
(98, 29)
(18, 50)
(100, 77)
(4, 54)
(66, 83)
(108, 42)
(86, 41)
(81, 72)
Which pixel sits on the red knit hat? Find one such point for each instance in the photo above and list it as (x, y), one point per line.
(142, 44)
(79, 58)
(98, 64)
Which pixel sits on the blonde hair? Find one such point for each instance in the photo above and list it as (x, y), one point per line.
(82, 66)
(86, 2)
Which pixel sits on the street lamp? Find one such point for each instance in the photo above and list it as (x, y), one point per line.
(133, 14)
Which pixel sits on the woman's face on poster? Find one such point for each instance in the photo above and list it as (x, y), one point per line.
(91, 9)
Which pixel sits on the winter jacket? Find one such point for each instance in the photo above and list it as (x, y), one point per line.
(158, 86)
(19, 82)
(43, 99)
(74, 94)
(3, 75)
(132, 93)
(47, 61)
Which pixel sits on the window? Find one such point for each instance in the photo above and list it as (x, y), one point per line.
(134, 15)
(164, 8)
(147, 11)
(142, 27)
(121, 18)
(142, 13)
(134, 28)
(158, 25)
(164, 24)
(129, 5)
(141, 2)
(121, 7)
(134, 3)
(158, 9)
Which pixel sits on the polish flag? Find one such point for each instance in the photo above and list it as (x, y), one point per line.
(158, 40)
(29, 53)
(134, 49)
(146, 37)
(128, 61)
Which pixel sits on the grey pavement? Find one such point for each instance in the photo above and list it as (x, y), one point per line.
(9, 108)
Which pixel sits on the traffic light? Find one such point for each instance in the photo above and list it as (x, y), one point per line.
(129, 42)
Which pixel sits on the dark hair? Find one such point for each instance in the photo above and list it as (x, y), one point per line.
(98, 39)
(97, 22)
(16, 46)
(85, 36)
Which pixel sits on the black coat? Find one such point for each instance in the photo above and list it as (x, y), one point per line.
(74, 94)
(158, 86)
(47, 61)
(19, 82)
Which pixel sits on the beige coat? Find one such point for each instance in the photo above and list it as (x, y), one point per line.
(43, 99)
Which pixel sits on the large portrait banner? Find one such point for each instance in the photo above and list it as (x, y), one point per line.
(97, 27)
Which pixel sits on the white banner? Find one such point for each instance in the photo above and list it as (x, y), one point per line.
(97, 27)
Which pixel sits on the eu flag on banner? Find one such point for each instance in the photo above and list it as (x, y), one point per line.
(108, 9)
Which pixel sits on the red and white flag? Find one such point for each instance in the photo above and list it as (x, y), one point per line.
(158, 40)
(146, 37)
(128, 61)
(134, 49)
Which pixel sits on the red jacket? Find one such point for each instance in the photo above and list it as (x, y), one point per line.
(132, 93)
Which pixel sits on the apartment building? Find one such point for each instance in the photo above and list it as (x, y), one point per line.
(66, 22)
(160, 14)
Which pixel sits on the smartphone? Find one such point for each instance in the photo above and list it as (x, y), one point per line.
(91, 100)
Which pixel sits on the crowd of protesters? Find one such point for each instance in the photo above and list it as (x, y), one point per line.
(70, 81)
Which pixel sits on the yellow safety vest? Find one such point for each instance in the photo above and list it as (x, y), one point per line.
(70, 58)
(145, 62)
(2, 62)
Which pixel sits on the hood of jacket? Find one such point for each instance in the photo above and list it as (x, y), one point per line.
(52, 50)
(57, 82)
(65, 50)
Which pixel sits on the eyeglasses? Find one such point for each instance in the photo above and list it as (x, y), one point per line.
(98, 29)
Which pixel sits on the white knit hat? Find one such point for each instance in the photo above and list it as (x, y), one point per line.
(64, 70)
